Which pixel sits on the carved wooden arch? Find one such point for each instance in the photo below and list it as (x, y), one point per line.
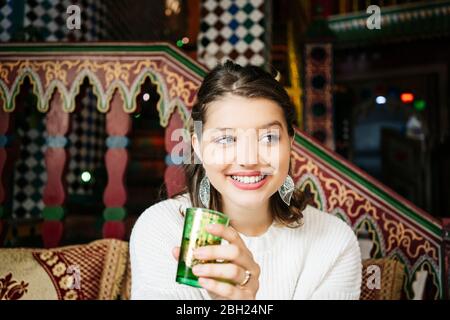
(109, 68)
(405, 232)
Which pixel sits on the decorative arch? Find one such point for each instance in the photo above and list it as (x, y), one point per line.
(375, 233)
(424, 263)
(338, 212)
(405, 232)
(61, 68)
(411, 270)
(316, 190)
(8, 95)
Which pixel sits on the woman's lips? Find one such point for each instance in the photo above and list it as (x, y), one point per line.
(248, 186)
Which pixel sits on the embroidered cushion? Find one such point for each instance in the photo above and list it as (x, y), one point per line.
(90, 271)
(382, 279)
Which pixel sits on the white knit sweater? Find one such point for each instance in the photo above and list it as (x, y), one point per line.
(320, 260)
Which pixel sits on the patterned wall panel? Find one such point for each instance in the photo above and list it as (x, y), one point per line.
(108, 68)
(235, 30)
(86, 144)
(318, 82)
(397, 228)
(29, 172)
(5, 20)
(49, 17)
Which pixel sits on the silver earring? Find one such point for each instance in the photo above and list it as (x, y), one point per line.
(287, 189)
(204, 191)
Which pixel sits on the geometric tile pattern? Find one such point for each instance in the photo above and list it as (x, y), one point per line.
(86, 145)
(86, 140)
(5, 21)
(318, 80)
(235, 30)
(49, 18)
(29, 169)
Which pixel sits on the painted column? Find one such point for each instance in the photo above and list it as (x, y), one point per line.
(57, 123)
(174, 174)
(118, 124)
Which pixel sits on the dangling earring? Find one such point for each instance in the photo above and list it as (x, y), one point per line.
(204, 191)
(287, 189)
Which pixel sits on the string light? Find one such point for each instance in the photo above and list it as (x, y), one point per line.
(407, 97)
(380, 100)
(173, 7)
(419, 105)
(86, 176)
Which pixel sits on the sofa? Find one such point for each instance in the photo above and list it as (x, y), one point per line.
(104, 268)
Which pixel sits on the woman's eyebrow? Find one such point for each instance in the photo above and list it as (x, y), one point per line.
(270, 124)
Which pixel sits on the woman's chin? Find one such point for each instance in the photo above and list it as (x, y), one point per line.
(249, 199)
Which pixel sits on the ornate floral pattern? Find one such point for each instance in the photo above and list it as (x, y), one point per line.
(56, 266)
(11, 289)
(392, 231)
(106, 72)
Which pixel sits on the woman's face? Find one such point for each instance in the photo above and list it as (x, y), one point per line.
(245, 149)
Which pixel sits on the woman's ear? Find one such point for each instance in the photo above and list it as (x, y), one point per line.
(196, 146)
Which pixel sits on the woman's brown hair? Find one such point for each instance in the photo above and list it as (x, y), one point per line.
(248, 82)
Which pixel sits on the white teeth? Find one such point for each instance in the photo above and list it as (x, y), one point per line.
(247, 179)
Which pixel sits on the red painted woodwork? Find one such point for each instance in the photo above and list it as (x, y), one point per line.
(57, 124)
(52, 232)
(115, 194)
(114, 229)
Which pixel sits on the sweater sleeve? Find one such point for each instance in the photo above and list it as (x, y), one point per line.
(153, 267)
(343, 280)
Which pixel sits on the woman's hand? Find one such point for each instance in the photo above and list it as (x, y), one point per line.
(238, 259)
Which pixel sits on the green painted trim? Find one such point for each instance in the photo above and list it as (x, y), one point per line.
(106, 48)
(114, 214)
(389, 11)
(413, 24)
(376, 239)
(352, 175)
(53, 213)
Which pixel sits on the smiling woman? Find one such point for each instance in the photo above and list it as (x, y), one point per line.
(276, 247)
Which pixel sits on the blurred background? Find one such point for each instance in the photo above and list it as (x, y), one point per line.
(378, 97)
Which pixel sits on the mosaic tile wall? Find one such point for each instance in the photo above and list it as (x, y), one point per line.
(45, 20)
(236, 30)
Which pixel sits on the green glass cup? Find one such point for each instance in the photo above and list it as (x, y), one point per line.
(194, 236)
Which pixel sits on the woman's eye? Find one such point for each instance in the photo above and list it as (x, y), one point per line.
(225, 140)
(270, 138)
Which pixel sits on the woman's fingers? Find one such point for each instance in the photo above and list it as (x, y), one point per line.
(226, 271)
(176, 252)
(225, 290)
(228, 252)
(227, 233)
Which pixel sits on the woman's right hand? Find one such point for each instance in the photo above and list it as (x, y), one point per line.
(176, 254)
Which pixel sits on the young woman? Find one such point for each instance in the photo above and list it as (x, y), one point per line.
(276, 246)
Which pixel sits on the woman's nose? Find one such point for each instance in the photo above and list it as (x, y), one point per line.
(247, 151)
